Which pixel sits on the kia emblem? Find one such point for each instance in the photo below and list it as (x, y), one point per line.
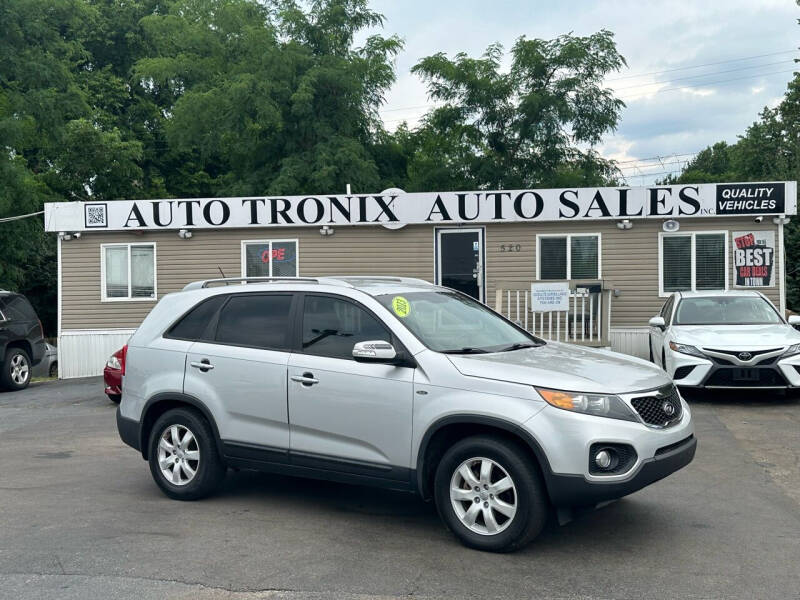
(745, 356)
(668, 408)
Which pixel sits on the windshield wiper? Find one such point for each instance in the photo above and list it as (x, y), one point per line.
(519, 346)
(466, 351)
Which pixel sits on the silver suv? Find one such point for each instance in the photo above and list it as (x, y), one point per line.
(396, 383)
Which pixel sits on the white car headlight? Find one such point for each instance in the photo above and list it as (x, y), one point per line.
(686, 349)
(791, 351)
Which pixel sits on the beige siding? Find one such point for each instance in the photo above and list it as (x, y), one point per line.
(351, 250)
(629, 259)
(629, 262)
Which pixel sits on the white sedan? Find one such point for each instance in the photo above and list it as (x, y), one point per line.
(725, 340)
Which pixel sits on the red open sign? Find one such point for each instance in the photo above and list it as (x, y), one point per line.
(278, 254)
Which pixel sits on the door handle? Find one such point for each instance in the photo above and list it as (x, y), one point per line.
(204, 365)
(307, 379)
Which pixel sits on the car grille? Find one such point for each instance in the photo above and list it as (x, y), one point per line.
(752, 353)
(764, 377)
(652, 408)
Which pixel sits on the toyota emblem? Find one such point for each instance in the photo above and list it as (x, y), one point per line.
(745, 356)
(668, 408)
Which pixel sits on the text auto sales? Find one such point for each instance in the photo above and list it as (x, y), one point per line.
(521, 205)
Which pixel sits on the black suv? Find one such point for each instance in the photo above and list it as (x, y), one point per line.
(21, 340)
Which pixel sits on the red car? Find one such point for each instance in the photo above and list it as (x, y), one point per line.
(112, 375)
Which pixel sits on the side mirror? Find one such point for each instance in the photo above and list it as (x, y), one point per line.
(794, 320)
(374, 351)
(657, 321)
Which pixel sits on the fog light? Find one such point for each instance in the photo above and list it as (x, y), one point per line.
(603, 459)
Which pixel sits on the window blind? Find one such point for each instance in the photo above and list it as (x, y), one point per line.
(677, 263)
(552, 258)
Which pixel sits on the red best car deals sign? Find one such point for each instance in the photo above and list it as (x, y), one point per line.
(754, 258)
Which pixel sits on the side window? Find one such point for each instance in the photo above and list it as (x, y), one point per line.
(331, 327)
(666, 311)
(19, 309)
(193, 325)
(256, 320)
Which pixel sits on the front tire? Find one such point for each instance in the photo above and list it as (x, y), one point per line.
(183, 455)
(511, 506)
(16, 373)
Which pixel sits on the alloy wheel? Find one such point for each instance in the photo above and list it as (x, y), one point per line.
(178, 454)
(483, 496)
(20, 371)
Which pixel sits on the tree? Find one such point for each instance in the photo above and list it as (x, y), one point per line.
(525, 127)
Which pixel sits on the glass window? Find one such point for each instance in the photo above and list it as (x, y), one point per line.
(693, 261)
(270, 258)
(583, 257)
(129, 272)
(19, 309)
(730, 310)
(553, 258)
(710, 261)
(331, 327)
(450, 322)
(569, 257)
(256, 320)
(193, 325)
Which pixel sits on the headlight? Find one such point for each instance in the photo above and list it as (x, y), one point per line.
(791, 351)
(113, 363)
(686, 349)
(599, 405)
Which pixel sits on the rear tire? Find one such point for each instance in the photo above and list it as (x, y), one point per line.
(16, 370)
(504, 518)
(115, 398)
(53, 372)
(185, 467)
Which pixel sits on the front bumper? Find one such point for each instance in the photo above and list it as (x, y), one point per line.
(711, 373)
(575, 490)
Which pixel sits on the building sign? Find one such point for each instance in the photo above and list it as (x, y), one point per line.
(550, 297)
(394, 208)
(754, 258)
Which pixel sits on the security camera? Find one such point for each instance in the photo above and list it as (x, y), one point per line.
(759, 219)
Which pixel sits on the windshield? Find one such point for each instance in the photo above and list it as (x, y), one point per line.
(732, 310)
(454, 323)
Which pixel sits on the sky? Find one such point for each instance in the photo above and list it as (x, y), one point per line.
(675, 107)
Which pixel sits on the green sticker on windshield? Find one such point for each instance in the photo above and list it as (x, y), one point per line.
(401, 306)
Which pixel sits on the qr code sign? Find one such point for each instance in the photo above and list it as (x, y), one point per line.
(96, 215)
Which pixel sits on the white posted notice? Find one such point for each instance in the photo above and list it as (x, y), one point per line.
(550, 297)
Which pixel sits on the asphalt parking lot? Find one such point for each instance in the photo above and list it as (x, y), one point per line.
(80, 517)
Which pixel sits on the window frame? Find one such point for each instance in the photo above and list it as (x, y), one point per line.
(300, 313)
(568, 237)
(128, 298)
(693, 254)
(243, 257)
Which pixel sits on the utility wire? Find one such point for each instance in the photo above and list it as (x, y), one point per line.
(720, 62)
(18, 217)
(721, 82)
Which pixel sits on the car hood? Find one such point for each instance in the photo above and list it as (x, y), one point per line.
(565, 367)
(736, 337)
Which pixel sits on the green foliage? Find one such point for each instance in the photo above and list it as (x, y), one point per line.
(522, 127)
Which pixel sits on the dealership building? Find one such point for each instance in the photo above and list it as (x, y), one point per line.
(585, 265)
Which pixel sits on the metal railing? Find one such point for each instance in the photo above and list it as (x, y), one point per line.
(585, 322)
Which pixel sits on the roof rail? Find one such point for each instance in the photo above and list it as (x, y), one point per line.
(387, 278)
(196, 285)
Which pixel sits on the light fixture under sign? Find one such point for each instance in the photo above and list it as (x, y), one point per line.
(326, 230)
(184, 234)
(624, 224)
(781, 220)
(671, 225)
